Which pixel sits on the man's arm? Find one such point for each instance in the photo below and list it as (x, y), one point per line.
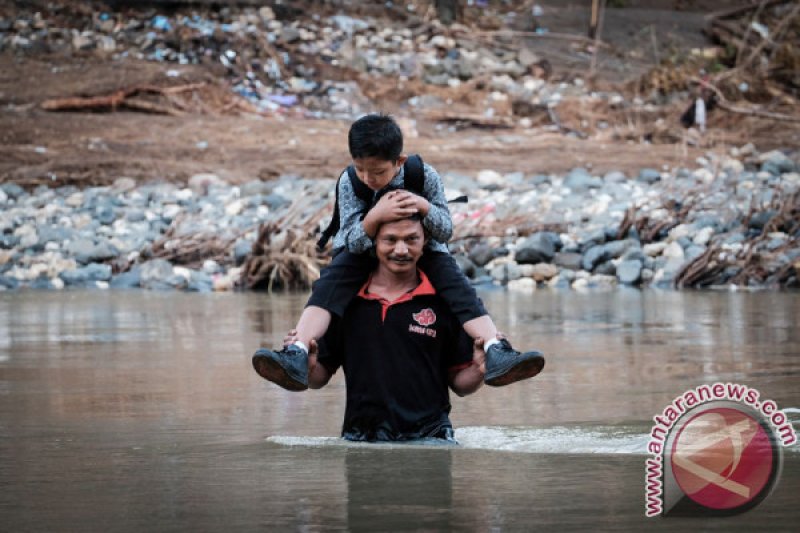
(464, 381)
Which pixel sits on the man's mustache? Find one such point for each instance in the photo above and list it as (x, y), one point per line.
(400, 258)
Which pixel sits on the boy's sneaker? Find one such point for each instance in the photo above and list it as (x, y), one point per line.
(287, 367)
(505, 365)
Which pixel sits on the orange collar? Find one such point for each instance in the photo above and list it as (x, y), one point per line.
(424, 288)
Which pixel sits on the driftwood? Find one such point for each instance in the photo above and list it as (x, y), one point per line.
(286, 258)
(752, 264)
(723, 103)
(173, 100)
(471, 120)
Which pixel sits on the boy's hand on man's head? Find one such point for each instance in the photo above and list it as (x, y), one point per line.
(395, 205)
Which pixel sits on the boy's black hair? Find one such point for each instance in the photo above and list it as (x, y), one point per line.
(375, 135)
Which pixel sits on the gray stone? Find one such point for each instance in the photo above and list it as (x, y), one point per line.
(593, 256)
(8, 241)
(127, 280)
(777, 163)
(615, 249)
(13, 190)
(200, 282)
(85, 275)
(538, 248)
(540, 179)
(506, 272)
(86, 251)
(466, 266)
(105, 214)
(606, 268)
(241, 250)
(135, 215)
(155, 275)
(58, 234)
(684, 242)
(588, 240)
(579, 180)
(481, 254)
(649, 175)
(693, 252)
(633, 254)
(569, 260)
(615, 176)
(41, 283)
(629, 272)
(276, 201)
(254, 188)
(760, 219)
(734, 238)
(7, 282)
(708, 221)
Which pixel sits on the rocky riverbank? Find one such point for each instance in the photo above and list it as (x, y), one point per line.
(734, 220)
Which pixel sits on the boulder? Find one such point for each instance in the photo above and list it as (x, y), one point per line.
(543, 271)
(629, 272)
(568, 260)
(538, 248)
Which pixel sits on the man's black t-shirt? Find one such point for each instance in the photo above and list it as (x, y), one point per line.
(396, 357)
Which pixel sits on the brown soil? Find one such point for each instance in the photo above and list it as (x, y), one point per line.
(97, 148)
(37, 146)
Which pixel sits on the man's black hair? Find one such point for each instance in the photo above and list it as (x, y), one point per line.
(375, 135)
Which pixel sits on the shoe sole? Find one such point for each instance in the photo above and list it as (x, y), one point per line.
(270, 370)
(525, 370)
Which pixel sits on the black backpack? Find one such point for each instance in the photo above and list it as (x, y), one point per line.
(413, 180)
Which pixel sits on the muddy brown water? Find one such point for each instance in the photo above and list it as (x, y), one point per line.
(134, 411)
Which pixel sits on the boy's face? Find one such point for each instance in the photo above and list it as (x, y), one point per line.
(376, 173)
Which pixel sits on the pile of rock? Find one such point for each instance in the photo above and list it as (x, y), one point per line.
(717, 225)
(733, 220)
(283, 60)
(122, 236)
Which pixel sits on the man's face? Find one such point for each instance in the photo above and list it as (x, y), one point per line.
(399, 244)
(376, 173)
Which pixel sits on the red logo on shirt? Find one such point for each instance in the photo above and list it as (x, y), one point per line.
(426, 317)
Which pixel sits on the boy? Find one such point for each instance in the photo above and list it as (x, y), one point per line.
(376, 147)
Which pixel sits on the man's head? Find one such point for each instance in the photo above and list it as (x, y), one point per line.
(376, 146)
(399, 244)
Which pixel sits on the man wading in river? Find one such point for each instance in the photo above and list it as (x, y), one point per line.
(400, 348)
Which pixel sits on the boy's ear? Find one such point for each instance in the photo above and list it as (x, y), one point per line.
(402, 160)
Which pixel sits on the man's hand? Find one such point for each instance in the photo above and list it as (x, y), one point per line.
(290, 338)
(479, 355)
(318, 375)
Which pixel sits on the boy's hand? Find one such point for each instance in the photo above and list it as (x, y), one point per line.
(396, 205)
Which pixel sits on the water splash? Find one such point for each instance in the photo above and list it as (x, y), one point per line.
(562, 440)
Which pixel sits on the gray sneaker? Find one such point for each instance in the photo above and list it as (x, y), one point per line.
(505, 365)
(287, 367)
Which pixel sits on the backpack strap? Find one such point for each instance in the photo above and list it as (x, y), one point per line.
(414, 174)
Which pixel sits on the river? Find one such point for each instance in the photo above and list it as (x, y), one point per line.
(140, 411)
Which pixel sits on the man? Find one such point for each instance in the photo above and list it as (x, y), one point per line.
(400, 348)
